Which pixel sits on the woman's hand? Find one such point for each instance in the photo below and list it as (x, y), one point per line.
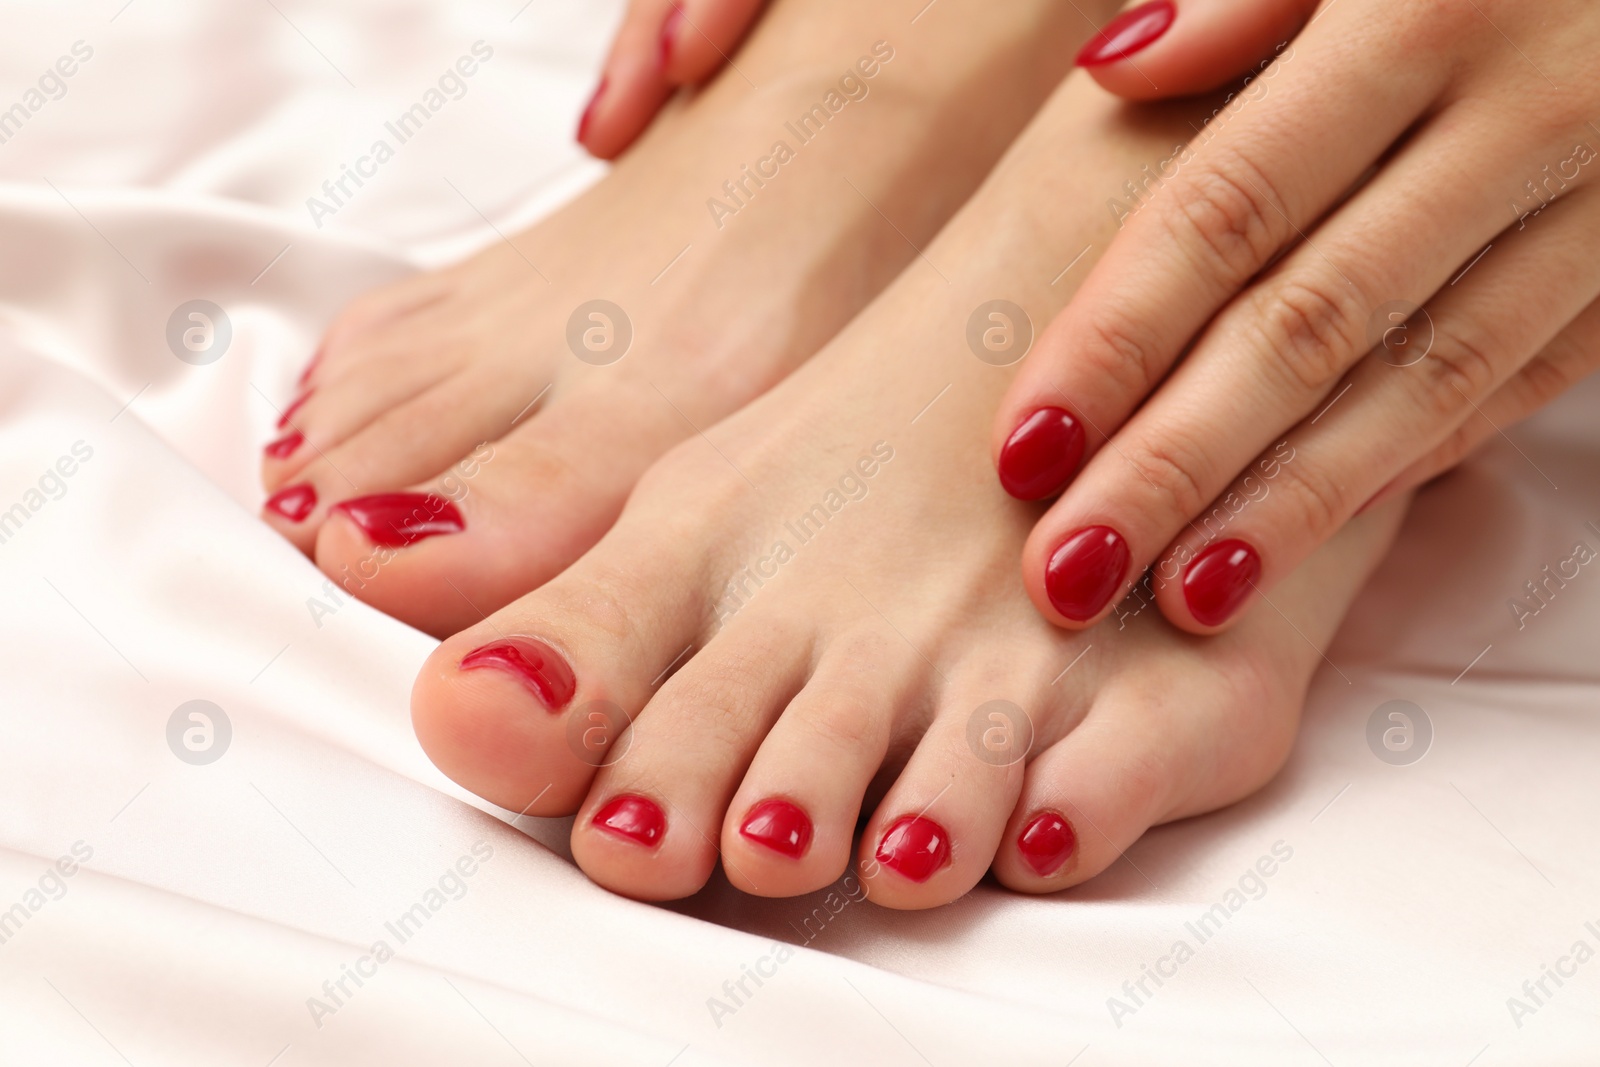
(1411, 178)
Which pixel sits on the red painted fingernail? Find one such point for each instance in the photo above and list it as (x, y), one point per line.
(293, 503)
(396, 519)
(288, 412)
(305, 375)
(532, 662)
(284, 446)
(1046, 842)
(779, 825)
(1130, 32)
(1085, 571)
(1219, 579)
(588, 111)
(915, 847)
(669, 36)
(1040, 456)
(635, 818)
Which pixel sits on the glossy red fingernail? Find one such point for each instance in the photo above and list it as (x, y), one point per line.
(635, 818)
(288, 412)
(588, 111)
(532, 662)
(915, 847)
(305, 375)
(284, 446)
(1046, 842)
(1130, 32)
(779, 825)
(1219, 579)
(1085, 571)
(1040, 456)
(397, 519)
(669, 36)
(293, 503)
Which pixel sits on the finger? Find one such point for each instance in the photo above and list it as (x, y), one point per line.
(1169, 48)
(1269, 358)
(698, 36)
(632, 84)
(1485, 329)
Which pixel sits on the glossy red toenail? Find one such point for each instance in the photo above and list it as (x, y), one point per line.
(1041, 454)
(915, 847)
(669, 36)
(1133, 30)
(588, 111)
(1219, 579)
(288, 412)
(1085, 571)
(305, 375)
(635, 818)
(293, 503)
(534, 663)
(1046, 842)
(284, 446)
(779, 825)
(397, 519)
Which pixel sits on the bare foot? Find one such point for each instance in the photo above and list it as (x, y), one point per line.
(815, 612)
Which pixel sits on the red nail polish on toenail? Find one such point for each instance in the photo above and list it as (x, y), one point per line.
(1085, 571)
(635, 818)
(305, 375)
(293, 503)
(1219, 579)
(284, 446)
(1046, 842)
(398, 519)
(288, 412)
(915, 847)
(588, 111)
(779, 825)
(534, 663)
(1040, 456)
(1130, 32)
(669, 36)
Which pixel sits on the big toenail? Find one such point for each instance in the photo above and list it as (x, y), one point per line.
(1041, 454)
(1219, 580)
(288, 412)
(293, 503)
(635, 818)
(284, 446)
(779, 825)
(915, 847)
(1085, 571)
(397, 519)
(539, 667)
(1046, 842)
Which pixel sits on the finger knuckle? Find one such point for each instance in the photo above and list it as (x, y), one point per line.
(1122, 349)
(1458, 369)
(1321, 504)
(1309, 324)
(1174, 469)
(1226, 211)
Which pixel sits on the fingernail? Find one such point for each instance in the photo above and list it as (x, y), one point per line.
(1040, 456)
(779, 825)
(305, 375)
(397, 519)
(284, 446)
(539, 667)
(915, 847)
(1046, 842)
(588, 111)
(293, 503)
(1085, 571)
(1219, 579)
(669, 36)
(635, 818)
(1130, 32)
(288, 412)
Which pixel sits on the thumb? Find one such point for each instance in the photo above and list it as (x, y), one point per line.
(1167, 48)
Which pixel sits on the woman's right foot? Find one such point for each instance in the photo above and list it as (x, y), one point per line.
(705, 268)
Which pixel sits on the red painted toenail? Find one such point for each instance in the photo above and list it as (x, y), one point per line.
(588, 111)
(284, 446)
(1219, 579)
(1041, 454)
(779, 825)
(288, 412)
(397, 519)
(1046, 842)
(915, 847)
(305, 375)
(1133, 30)
(293, 503)
(635, 818)
(534, 663)
(1085, 571)
(669, 36)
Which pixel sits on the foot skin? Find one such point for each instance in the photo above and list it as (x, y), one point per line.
(720, 303)
(815, 612)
